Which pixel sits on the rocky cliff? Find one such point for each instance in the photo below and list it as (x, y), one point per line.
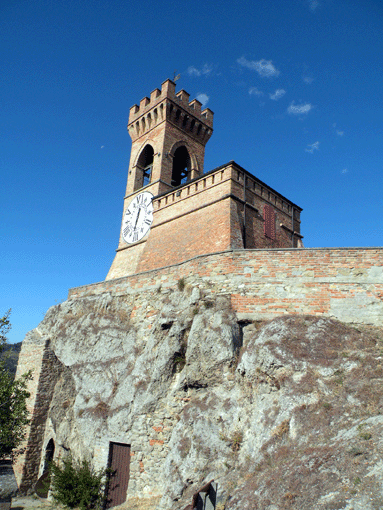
(282, 414)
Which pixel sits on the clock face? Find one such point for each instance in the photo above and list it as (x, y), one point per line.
(138, 218)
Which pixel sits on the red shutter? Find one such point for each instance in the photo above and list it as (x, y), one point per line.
(269, 224)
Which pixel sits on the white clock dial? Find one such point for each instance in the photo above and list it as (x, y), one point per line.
(138, 218)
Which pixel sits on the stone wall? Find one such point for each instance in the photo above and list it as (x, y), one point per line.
(101, 331)
(199, 394)
(36, 355)
(344, 283)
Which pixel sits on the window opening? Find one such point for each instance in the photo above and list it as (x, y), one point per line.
(145, 162)
(147, 174)
(181, 166)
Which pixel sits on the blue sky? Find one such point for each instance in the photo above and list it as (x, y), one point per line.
(295, 85)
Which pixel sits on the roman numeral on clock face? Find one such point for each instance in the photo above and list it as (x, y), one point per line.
(126, 230)
(138, 218)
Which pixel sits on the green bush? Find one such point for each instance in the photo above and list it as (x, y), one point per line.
(78, 485)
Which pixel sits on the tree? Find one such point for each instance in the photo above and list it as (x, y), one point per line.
(5, 326)
(13, 396)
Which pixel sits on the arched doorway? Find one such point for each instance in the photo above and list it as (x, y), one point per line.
(49, 453)
(43, 483)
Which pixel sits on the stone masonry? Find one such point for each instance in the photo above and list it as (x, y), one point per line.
(344, 283)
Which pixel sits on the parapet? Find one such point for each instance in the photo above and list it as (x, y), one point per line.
(181, 98)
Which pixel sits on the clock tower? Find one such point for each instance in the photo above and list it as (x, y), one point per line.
(169, 135)
(173, 211)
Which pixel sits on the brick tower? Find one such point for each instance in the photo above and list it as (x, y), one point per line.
(173, 211)
(169, 135)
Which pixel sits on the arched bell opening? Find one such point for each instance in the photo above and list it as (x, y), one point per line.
(181, 166)
(145, 164)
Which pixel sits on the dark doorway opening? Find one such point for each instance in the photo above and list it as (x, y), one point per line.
(49, 454)
(43, 483)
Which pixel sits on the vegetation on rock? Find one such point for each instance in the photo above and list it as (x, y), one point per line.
(13, 396)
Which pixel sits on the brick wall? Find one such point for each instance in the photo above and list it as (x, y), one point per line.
(345, 283)
(206, 216)
(164, 120)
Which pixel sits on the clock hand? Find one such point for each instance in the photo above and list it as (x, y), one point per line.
(138, 215)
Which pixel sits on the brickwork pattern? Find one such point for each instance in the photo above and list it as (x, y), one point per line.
(206, 216)
(166, 120)
(345, 283)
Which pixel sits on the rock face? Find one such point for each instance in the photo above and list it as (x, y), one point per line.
(282, 414)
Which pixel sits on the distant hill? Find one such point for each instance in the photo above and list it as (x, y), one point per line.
(13, 350)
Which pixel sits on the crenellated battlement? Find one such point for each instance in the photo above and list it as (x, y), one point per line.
(166, 104)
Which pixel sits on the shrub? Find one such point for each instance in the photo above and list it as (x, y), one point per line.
(78, 484)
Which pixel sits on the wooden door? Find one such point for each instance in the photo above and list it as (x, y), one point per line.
(119, 462)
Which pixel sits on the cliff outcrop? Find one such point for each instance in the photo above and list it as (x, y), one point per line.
(283, 413)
